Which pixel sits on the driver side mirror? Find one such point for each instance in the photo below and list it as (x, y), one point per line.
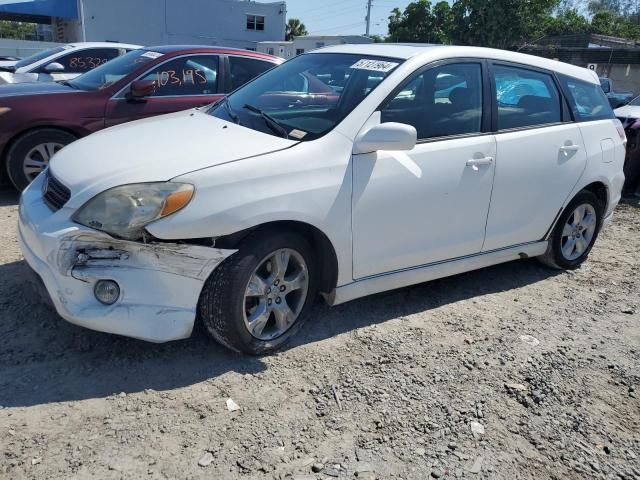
(54, 67)
(141, 89)
(386, 136)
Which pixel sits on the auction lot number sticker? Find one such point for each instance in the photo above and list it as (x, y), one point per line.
(374, 65)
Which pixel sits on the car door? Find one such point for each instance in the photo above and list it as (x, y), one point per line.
(78, 62)
(540, 158)
(429, 204)
(181, 83)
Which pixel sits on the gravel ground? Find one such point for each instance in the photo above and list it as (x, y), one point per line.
(512, 372)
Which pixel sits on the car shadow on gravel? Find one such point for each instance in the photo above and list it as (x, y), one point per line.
(328, 322)
(44, 359)
(631, 200)
(8, 196)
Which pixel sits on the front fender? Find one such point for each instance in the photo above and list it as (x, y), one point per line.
(309, 183)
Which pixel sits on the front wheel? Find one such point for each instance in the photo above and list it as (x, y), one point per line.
(575, 233)
(31, 153)
(258, 298)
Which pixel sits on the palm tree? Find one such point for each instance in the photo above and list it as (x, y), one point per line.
(295, 28)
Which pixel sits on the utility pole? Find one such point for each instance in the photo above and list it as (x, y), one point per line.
(369, 2)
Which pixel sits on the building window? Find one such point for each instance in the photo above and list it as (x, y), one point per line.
(299, 51)
(255, 22)
(270, 51)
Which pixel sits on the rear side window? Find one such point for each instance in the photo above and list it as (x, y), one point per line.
(525, 98)
(587, 100)
(244, 69)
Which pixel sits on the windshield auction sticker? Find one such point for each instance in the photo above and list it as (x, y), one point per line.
(374, 65)
(151, 55)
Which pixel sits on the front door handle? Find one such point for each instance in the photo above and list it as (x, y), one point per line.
(476, 162)
(570, 148)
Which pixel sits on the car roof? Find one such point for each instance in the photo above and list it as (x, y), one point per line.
(169, 49)
(430, 53)
(102, 45)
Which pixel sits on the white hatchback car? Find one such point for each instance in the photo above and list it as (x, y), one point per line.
(346, 171)
(65, 62)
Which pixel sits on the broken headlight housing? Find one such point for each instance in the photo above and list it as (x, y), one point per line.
(124, 211)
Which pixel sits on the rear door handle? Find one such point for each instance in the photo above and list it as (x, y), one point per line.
(570, 148)
(476, 162)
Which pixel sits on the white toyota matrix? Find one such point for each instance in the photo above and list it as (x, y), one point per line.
(346, 171)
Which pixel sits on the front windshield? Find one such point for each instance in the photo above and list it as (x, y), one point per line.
(307, 96)
(25, 62)
(106, 75)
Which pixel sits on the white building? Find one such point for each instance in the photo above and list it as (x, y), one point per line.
(233, 23)
(304, 44)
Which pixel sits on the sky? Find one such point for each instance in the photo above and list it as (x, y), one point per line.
(335, 17)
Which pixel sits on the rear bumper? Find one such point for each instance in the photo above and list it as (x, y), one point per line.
(160, 283)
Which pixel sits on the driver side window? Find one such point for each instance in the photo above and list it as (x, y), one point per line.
(190, 75)
(440, 101)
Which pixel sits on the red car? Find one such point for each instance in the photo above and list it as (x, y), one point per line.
(38, 119)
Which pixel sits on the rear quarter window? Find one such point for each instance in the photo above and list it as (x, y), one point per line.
(587, 100)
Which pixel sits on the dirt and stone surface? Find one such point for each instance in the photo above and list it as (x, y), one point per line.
(512, 372)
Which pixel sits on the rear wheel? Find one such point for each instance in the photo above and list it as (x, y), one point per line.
(31, 153)
(258, 298)
(575, 233)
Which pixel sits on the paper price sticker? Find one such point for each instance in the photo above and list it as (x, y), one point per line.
(151, 55)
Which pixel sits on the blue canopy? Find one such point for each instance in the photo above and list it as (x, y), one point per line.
(42, 8)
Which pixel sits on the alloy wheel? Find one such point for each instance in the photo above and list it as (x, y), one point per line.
(276, 294)
(38, 158)
(578, 232)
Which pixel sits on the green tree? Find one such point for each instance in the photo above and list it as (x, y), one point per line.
(567, 22)
(421, 23)
(501, 23)
(295, 28)
(17, 30)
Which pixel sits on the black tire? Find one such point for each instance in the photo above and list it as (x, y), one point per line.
(222, 302)
(22, 146)
(554, 257)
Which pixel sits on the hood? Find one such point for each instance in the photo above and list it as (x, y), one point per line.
(628, 111)
(33, 88)
(154, 150)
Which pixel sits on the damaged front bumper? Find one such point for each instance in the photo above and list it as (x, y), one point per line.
(160, 283)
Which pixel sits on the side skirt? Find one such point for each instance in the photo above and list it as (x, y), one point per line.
(432, 271)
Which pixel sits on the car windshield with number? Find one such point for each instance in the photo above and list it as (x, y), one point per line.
(109, 73)
(307, 96)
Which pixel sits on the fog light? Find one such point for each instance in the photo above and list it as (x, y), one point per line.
(107, 291)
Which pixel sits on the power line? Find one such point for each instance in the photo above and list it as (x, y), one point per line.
(339, 27)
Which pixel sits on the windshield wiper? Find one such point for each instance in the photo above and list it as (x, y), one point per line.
(232, 114)
(271, 122)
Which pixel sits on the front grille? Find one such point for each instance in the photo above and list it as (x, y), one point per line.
(55, 194)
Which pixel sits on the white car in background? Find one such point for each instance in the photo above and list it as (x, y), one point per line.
(238, 214)
(65, 62)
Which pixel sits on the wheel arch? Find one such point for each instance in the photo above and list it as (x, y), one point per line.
(598, 187)
(320, 242)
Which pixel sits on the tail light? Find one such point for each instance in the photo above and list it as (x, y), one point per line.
(620, 129)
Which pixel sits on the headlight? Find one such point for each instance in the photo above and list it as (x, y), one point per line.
(125, 211)
(4, 110)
